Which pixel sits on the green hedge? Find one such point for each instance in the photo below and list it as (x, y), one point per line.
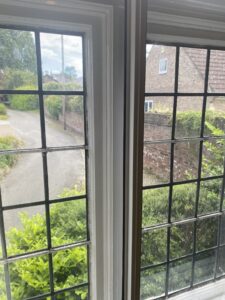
(75, 104)
(24, 102)
(54, 106)
(3, 110)
(8, 160)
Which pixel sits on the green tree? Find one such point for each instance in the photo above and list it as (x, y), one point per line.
(17, 50)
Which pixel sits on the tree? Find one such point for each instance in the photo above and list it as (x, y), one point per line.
(17, 50)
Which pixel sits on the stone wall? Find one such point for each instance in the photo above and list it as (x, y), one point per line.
(74, 122)
(157, 126)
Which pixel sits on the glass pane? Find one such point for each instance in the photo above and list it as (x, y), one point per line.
(188, 119)
(160, 68)
(207, 230)
(192, 70)
(204, 266)
(154, 244)
(221, 262)
(153, 283)
(68, 222)
(158, 118)
(156, 164)
(181, 240)
(64, 120)
(186, 161)
(180, 274)
(183, 202)
(210, 196)
(215, 117)
(25, 229)
(70, 267)
(76, 294)
(212, 158)
(19, 122)
(155, 206)
(29, 277)
(2, 283)
(216, 72)
(66, 174)
(17, 60)
(22, 178)
(222, 230)
(62, 62)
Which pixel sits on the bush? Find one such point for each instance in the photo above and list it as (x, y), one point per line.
(59, 86)
(75, 104)
(8, 160)
(54, 106)
(24, 102)
(53, 86)
(3, 110)
(14, 78)
(30, 277)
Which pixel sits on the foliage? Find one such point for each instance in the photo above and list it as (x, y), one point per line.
(8, 160)
(54, 106)
(59, 86)
(14, 78)
(53, 86)
(155, 211)
(3, 110)
(24, 102)
(189, 122)
(30, 277)
(75, 104)
(17, 50)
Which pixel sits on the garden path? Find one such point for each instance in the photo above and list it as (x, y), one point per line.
(24, 182)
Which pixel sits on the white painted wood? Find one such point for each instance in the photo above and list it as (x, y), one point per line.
(212, 291)
(97, 24)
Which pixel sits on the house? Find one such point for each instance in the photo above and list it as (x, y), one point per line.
(160, 77)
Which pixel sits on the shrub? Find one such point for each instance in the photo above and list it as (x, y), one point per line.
(31, 276)
(75, 104)
(54, 106)
(14, 78)
(3, 110)
(53, 86)
(8, 160)
(24, 102)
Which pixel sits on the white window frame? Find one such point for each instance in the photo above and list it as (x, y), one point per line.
(163, 62)
(149, 105)
(96, 22)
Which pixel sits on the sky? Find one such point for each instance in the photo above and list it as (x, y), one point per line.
(52, 55)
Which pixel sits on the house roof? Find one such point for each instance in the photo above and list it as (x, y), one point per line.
(217, 67)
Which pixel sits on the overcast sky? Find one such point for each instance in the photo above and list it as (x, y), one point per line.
(51, 53)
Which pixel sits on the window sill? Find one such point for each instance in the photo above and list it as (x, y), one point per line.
(212, 291)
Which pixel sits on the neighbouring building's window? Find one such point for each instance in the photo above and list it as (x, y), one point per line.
(43, 166)
(163, 66)
(183, 211)
(148, 105)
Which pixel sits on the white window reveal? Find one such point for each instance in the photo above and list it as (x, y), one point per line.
(163, 66)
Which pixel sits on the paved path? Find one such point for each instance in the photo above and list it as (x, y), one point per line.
(24, 183)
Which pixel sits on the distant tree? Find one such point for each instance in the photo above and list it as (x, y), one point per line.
(71, 72)
(17, 50)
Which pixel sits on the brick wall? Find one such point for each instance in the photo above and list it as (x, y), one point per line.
(190, 79)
